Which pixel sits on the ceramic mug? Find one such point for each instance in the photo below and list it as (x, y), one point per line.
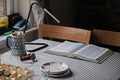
(16, 43)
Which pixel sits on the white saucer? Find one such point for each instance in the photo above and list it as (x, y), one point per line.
(55, 67)
(61, 75)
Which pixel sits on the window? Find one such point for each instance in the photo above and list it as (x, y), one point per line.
(3, 8)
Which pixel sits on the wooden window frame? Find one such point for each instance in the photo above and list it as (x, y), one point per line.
(3, 8)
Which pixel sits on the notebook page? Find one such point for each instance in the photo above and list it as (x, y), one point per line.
(91, 51)
(67, 47)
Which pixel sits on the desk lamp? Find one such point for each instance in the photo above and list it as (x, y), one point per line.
(44, 9)
(24, 29)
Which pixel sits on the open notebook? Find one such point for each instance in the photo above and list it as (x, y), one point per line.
(77, 50)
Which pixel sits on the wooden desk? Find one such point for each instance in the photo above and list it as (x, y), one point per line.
(82, 70)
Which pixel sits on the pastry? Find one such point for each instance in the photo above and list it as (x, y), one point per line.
(10, 72)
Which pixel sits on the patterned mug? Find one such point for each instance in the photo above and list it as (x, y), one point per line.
(16, 43)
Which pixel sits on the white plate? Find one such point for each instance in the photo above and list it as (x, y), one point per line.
(55, 67)
(61, 75)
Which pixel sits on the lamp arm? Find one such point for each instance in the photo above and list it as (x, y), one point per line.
(51, 15)
(29, 15)
(44, 10)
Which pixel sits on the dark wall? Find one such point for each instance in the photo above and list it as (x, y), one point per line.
(64, 10)
(88, 14)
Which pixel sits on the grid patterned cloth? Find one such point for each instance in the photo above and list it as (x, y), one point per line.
(82, 70)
